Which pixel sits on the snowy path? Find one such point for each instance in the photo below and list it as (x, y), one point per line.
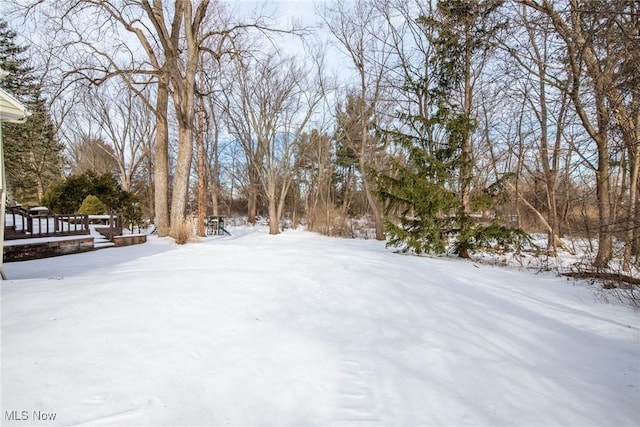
(299, 329)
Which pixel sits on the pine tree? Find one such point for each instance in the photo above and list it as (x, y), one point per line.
(417, 192)
(33, 158)
(347, 137)
(20, 81)
(429, 187)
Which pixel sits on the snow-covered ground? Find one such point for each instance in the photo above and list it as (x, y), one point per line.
(299, 329)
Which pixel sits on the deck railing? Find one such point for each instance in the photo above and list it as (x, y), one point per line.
(25, 225)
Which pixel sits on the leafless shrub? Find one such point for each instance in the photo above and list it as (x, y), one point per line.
(330, 222)
(182, 232)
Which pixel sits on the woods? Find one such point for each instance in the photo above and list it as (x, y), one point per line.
(455, 122)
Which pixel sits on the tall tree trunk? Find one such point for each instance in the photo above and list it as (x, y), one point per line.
(550, 173)
(161, 166)
(255, 160)
(252, 202)
(184, 102)
(366, 160)
(273, 207)
(628, 119)
(214, 185)
(215, 194)
(466, 166)
(282, 198)
(150, 185)
(374, 205)
(202, 174)
(232, 186)
(179, 196)
(605, 232)
(632, 226)
(346, 199)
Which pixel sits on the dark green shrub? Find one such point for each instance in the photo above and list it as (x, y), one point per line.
(69, 195)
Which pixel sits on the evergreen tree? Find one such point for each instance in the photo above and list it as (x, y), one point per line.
(20, 82)
(92, 206)
(429, 187)
(347, 137)
(69, 195)
(418, 192)
(33, 159)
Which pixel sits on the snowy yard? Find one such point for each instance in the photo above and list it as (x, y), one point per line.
(299, 329)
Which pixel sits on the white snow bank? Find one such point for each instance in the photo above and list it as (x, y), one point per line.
(299, 329)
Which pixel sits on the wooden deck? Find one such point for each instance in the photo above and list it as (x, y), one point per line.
(20, 224)
(30, 235)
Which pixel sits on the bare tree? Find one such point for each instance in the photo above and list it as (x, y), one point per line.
(541, 81)
(315, 171)
(89, 153)
(125, 125)
(235, 94)
(209, 79)
(593, 34)
(269, 109)
(201, 169)
(362, 34)
(98, 39)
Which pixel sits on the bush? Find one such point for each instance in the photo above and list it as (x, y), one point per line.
(182, 232)
(69, 196)
(92, 206)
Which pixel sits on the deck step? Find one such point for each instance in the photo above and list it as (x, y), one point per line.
(102, 245)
